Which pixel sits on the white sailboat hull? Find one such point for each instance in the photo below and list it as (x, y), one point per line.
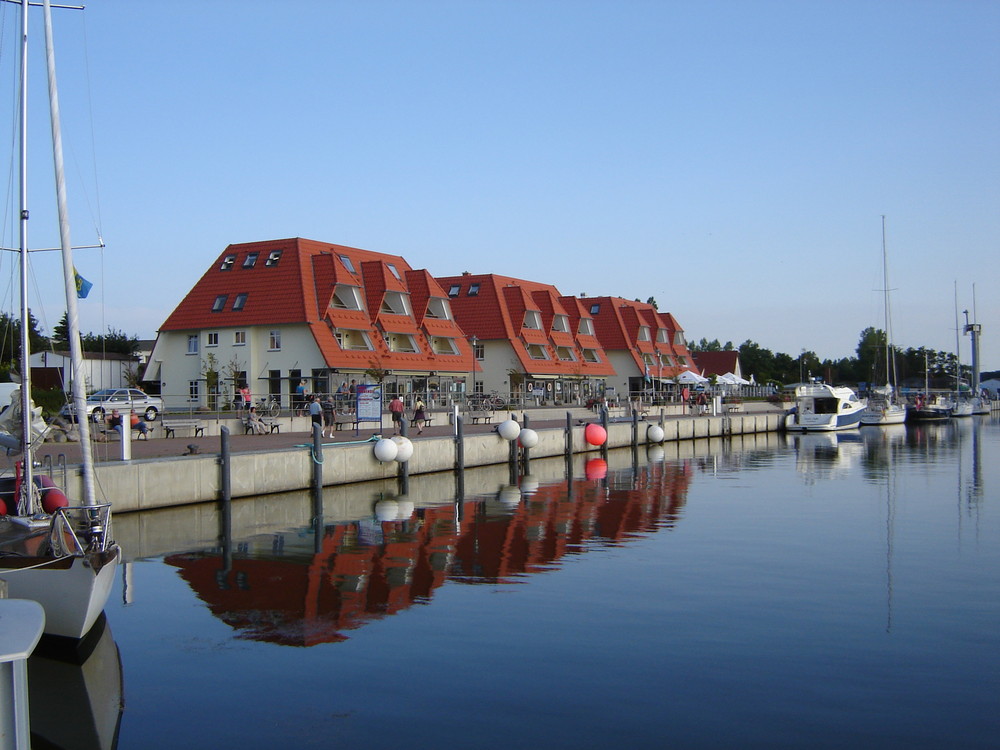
(884, 415)
(73, 594)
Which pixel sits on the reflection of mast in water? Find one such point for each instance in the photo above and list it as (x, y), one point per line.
(890, 522)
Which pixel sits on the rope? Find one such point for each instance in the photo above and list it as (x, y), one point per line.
(32, 567)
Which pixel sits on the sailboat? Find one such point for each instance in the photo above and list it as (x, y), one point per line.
(61, 555)
(883, 403)
(962, 405)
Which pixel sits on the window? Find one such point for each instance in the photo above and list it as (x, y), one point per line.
(354, 340)
(239, 302)
(273, 258)
(473, 290)
(586, 327)
(443, 345)
(347, 263)
(532, 320)
(274, 341)
(662, 336)
(346, 298)
(595, 308)
(250, 260)
(479, 351)
(454, 289)
(212, 339)
(220, 303)
(643, 333)
(679, 339)
(537, 351)
(193, 390)
(591, 355)
(647, 359)
(400, 342)
(393, 271)
(395, 303)
(227, 262)
(438, 308)
(240, 338)
(560, 323)
(565, 354)
(193, 344)
(666, 360)
(682, 361)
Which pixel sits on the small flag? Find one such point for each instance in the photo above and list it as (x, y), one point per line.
(83, 286)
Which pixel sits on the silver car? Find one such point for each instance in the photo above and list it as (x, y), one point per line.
(124, 400)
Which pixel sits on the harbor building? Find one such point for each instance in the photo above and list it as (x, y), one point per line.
(530, 342)
(271, 314)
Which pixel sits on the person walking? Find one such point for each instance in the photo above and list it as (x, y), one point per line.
(329, 419)
(316, 411)
(396, 410)
(419, 414)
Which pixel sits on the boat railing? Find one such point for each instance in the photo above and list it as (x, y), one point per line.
(78, 529)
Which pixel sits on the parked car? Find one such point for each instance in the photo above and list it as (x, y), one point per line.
(102, 402)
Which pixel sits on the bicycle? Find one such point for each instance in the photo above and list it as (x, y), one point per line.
(269, 406)
(487, 401)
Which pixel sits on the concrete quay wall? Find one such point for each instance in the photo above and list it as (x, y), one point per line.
(169, 482)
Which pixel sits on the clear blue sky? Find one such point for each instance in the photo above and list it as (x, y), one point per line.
(730, 159)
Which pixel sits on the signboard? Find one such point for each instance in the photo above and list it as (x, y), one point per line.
(369, 404)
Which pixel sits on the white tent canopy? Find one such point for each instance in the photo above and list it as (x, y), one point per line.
(688, 377)
(733, 379)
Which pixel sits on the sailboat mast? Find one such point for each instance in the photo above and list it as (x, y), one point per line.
(885, 302)
(26, 502)
(69, 274)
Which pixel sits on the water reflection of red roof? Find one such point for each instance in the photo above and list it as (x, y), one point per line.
(298, 596)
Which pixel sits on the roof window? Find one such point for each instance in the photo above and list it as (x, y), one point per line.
(251, 259)
(595, 308)
(454, 289)
(227, 262)
(220, 303)
(347, 263)
(240, 302)
(395, 273)
(273, 258)
(473, 290)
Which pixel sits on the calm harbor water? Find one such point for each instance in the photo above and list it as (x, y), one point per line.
(799, 591)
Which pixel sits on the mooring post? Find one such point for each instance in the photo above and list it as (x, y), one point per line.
(225, 466)
(317, 456)
(635, 428)
(459, 458)
(404, 466)
(525, 451)
(226, 517)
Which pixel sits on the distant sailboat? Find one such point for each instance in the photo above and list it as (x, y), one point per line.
(884, 406)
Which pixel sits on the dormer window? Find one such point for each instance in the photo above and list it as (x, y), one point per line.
(220, 303)
(400, 342)
(438, 308)
(454, 289)
(251, 259)
(395, 303)
(643, 333)
(536, 351)
(346, 298)
(565, 354)
(591, 355)
(273, 258)
(679, 339)
(240, 302)
(586, 327)
(532, 320)
(347, 263)
(662, 336)
(560, 324)
(227, 262)
(473, 290)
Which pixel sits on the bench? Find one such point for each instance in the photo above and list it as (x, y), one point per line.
(270, 423)
(476, 414)
(339, 420)
(734, 409)
(172, 425)
(428, 418)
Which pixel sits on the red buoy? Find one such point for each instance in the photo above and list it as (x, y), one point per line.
(3, 508)
(53, 499)
(595, 434)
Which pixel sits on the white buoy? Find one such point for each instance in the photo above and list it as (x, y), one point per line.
(654, 433)
(386, 510)
(528, 438)
(405, 509)
(509, 430)
(385, 450)
(404, 448)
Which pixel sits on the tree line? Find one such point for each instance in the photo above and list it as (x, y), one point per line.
(868, 366)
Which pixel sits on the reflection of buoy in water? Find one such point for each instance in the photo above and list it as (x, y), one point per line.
(404, 448)
(509, 430)
(528, 438)
(596, 468)
(655, 454)
(529, 485)
(654, 433)
(405, 509)
(385, 450)
(595, 434)
(54, 498)
(386, 510)
(509, 495)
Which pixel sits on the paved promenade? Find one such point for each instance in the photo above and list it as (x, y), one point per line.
(296, 431)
